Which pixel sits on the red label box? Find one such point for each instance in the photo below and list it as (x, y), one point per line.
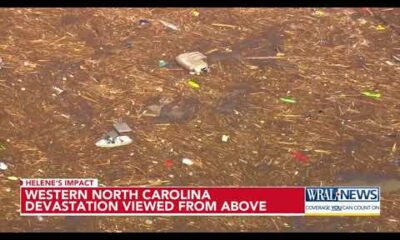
(163, 201)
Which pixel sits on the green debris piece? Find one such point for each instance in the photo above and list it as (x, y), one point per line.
(193, 84)
(288, 99)
(371, 94)
(162, 63)
(2, 147)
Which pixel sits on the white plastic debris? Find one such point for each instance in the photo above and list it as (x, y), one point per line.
(3, 166)
(159, 89)
(40, 218)
(1, 63)
(114, 142)
(362, 21)
(187, 161)
(23, 89)
(148, 222)
(58, 90)
(65, 116)
(170, 25)
(225, 138)
(194, 62)
(122, 127)
(243, 161)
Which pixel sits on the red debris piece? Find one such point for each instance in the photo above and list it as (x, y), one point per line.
(168, 163)
(300, 156)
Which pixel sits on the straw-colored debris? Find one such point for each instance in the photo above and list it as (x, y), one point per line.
(103, 67)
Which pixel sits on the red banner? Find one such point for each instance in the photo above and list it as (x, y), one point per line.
(162, 201)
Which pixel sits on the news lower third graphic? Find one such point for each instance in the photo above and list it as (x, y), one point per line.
(84, 197)
(342, 201)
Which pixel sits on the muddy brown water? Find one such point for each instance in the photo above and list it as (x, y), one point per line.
(107, 66)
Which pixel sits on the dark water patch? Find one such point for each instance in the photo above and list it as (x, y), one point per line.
(178, 111)
(234, 99)
(387, 182)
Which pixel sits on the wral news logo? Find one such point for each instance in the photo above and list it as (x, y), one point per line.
(342, 201)
(348, 194)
